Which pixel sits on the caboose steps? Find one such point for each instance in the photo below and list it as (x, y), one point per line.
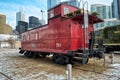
(78, 60)
(78, 54)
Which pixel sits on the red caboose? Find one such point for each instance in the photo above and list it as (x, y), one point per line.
(64, 36)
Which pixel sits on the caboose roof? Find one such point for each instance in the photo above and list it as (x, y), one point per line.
(92, 19)
(79, 17)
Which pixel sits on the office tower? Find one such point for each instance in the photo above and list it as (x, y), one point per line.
(2, 23)
(34, 22)
(52, 3)
(74, 3)
(105, 12)
(4, 28)
(20, 16)
(116, 9)
(22, 26)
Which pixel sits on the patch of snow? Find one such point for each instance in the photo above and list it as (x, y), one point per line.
(115, 65)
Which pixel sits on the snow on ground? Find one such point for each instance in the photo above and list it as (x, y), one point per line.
(19, 67)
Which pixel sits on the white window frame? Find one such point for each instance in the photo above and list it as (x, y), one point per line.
(66, 10)
(51, 14)
(36, 36)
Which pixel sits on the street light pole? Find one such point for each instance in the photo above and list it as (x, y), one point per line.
(42, 17)
(80, 3)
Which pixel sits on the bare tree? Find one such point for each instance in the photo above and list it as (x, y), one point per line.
(11, 41)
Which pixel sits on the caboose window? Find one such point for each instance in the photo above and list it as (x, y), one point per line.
(28, 37)
(36, 36)
(51, 14)
(66, 10)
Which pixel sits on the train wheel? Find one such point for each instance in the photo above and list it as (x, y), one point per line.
(66, 59)
(35, 55)
(61, 59)
(26, 53)
(57, 59)
(53, 58)
(30, 54)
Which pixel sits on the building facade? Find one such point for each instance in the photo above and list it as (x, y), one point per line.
(105, 13)
(2, 23)
(34, 22)
(74, 3)
(8, 29)
(22, 26)
(20, 16)
(116, 9)
(4, 28)
(52, 3)
(107, 23)
(5, 41)
(119, 8)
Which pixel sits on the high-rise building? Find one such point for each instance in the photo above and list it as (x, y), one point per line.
(2, 23)
(20, 16)
(105, 12)
(116, 9)
(34, 22)
(8, 29)
(4, 28)
(52, 3)
(74, 3)
(22, 26)
(119, 8)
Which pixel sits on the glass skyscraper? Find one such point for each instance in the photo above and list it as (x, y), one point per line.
(116, 8)
(104, 11)
(20, 16)
(72, 2)
(52, 3)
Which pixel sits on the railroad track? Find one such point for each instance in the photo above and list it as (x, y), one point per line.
(8, 78)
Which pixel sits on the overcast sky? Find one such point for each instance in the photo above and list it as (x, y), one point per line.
(32, 8)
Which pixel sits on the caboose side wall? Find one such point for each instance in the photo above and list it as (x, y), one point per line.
(62, 33)
(33, 43)
(76, 33)
(55, 38)
(43, 41)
